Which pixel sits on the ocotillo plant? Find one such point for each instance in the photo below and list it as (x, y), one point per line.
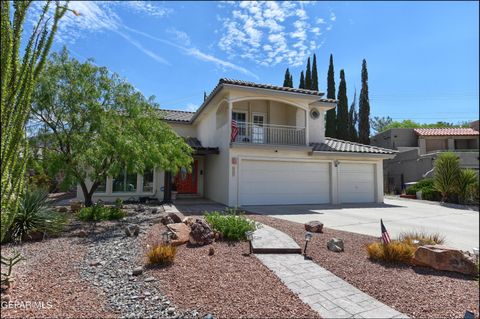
(18, 76)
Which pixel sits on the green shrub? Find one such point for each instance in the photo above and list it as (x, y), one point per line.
(99, 212)
(431, 194)
(34, 214)
(231, 225)
(421, 185)
(162, 255)
(423, 238)
(394, 252)
(447, 172)
(467, 180)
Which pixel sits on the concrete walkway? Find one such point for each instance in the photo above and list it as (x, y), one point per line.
(329, 295)
(267, 240)
(459, 226)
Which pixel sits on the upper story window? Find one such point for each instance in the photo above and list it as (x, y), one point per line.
(314, 114)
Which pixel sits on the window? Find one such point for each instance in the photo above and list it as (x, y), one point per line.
(148, 181)
(102, 188)
(241, 119)
(125, 183)
(314, 114)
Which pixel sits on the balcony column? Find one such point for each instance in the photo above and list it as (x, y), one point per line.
(229, 118)
(307, 138)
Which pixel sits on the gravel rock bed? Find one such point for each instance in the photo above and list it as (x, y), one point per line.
(226, 284)
(48, 277)
(416, 291)
(110, 262)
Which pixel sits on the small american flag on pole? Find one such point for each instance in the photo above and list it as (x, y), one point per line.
(234, 130)
(385, 235)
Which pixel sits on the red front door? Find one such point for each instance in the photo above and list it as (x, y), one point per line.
(187, 185)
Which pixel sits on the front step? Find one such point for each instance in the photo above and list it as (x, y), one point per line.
(268, 240)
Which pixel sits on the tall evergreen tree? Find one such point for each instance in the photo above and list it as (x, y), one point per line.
(291, 81)
(364, 108)
(287, 79)
(302, 81)
(342, 108)
(314, 74)
(331, 125)
(204, 95)
(352, 120)
(308, 76)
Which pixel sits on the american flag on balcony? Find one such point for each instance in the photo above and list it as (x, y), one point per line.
(385, 235)
(234, 131)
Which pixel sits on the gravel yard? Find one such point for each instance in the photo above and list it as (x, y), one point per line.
(416, 291)
(227, 284)
(49, 278)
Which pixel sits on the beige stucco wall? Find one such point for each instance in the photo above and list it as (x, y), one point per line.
(186, 130)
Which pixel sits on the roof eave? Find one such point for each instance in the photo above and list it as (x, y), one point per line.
(354, 154)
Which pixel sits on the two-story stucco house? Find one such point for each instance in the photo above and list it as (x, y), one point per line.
(277, 154)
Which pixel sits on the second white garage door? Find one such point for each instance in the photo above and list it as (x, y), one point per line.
(283, 182)
(356, 183)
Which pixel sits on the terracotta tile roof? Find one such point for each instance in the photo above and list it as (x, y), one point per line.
(176, 116)
(334, 145)
(273, 87)
(445, 131)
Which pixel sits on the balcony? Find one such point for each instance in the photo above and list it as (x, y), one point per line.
(253, 133)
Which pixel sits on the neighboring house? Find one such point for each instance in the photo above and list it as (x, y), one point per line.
(279, 155)
(418, 149)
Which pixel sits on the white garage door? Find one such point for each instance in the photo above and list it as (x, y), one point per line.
(283, 182)
(356, 183)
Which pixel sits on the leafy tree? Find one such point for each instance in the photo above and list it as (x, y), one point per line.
(302, 81)
(314, 74)
(18, 76)
(287, 80)
(308, 76)
(379, 124)
(364, 108)
(100, 125)
(353, 120)
(331, 118)
(342, 108)
(446, 174)
(413, 124)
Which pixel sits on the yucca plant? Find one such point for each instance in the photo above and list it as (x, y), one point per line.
(447, 172)
(34, 214)
(466, 179)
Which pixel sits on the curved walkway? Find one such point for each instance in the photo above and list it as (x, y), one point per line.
(329, 295)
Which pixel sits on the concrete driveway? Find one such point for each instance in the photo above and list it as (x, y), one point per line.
(459, 226)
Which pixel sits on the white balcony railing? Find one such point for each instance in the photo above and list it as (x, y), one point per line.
(253, 133)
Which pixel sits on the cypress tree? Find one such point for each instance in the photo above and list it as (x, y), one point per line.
(308, 76)
(364, 108)
(287, 79)
(331, 126)
(291, 81)
(204, 95)
(314, 74)
(352, 120)
(342, 108)
(302, 81)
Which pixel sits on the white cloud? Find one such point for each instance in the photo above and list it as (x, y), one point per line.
(180, 36)
(196, 53)
(191, 107)
(269, 32)
(151, 54)
(333, 17)
(146, 7)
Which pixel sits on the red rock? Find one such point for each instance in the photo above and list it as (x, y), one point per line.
(445, 258)
(181, 233)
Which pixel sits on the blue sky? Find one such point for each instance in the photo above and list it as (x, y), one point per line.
(423, 57)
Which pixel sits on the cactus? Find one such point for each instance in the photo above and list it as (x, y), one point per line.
(18, 76)
(9, 262)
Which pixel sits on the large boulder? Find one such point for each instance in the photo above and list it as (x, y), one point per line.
(201, 233)
(314, 226)
(181, 233)
(445, 258)
(335, 245)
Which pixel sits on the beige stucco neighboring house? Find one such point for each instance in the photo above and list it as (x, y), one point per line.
(280, 154)
(418, 148)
